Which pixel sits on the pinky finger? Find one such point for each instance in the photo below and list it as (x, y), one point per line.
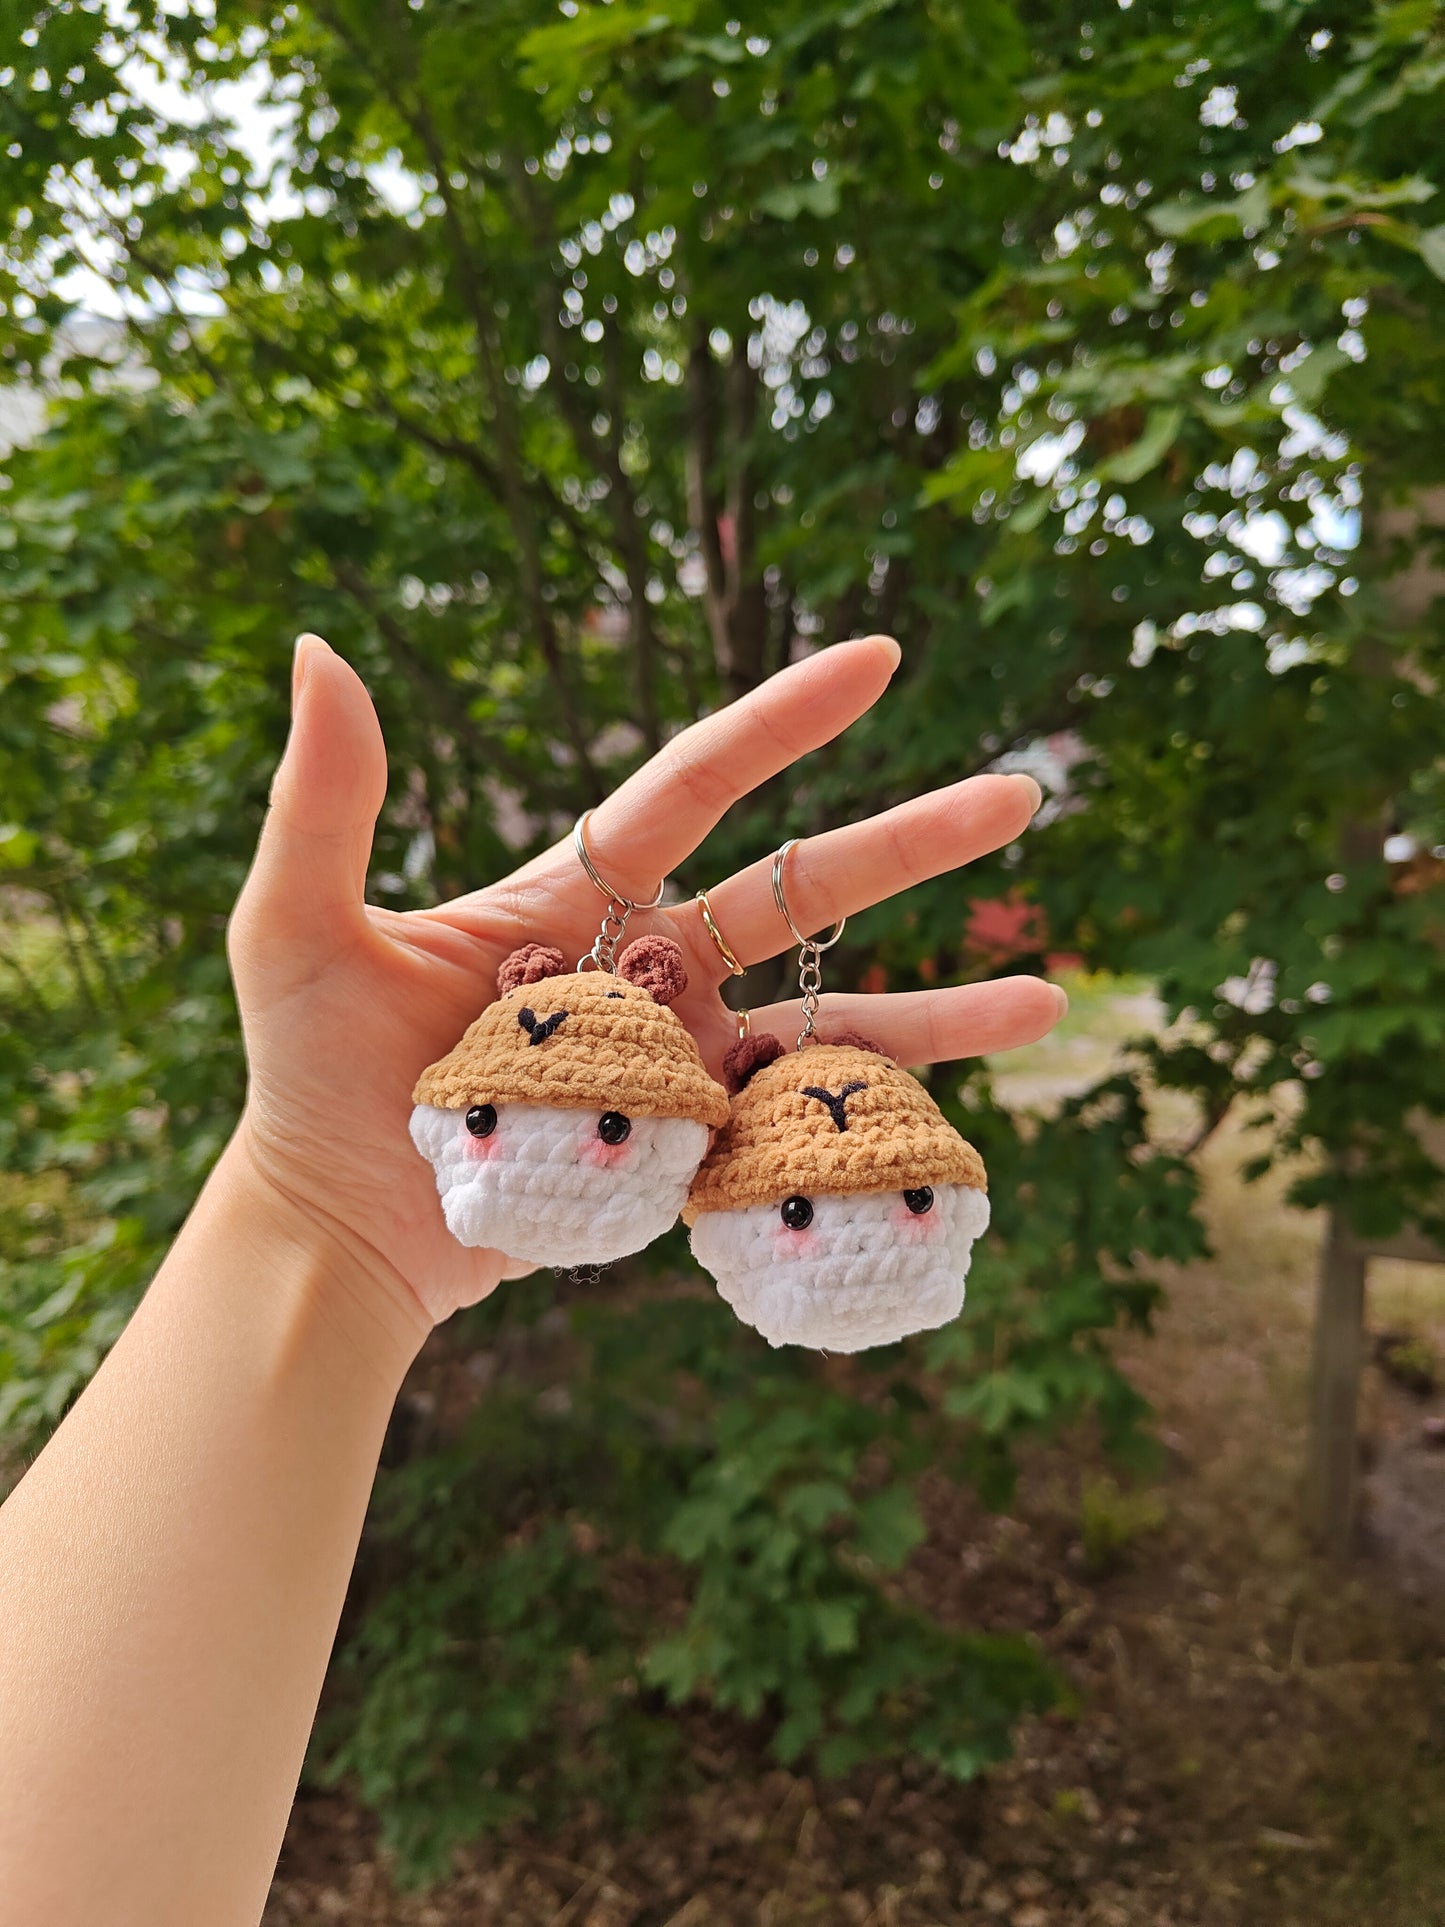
(933, 1026)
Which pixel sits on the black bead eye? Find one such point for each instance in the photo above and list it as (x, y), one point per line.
(482, 1120)
(920, 1200)
(613, 1127)
(797, 1213)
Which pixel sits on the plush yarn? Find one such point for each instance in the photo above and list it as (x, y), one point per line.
(838, 1207)
(589, 1109)
(747, 1056)
(865, 1272)
(781, 1137)
(584, 1040)
(655, 965)
(544, 1188)
(530, 965)
(856, 1039)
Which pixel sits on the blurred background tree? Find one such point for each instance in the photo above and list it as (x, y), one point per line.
(571, 377)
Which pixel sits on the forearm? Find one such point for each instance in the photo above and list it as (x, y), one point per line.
(172, 1569)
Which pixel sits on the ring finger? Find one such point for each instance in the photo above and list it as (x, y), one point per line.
(845, 870)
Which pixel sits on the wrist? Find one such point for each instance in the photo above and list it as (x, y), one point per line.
(340, 1282)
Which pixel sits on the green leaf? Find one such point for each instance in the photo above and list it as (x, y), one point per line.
(18, 845)
(561, 52)
(820, 199)
(1432, 250)
(888, 1527)
(836, 1622)
(1199, 219)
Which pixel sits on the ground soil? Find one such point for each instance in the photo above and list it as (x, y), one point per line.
(1258, 1739)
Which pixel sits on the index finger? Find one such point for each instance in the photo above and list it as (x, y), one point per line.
(664, 810)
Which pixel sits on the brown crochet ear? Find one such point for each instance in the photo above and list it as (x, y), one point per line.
(655, 965)
(530, 965)
(857, 1041)
(747, 1056)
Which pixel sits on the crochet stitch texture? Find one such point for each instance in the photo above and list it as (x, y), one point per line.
(778, 1140)
(856, 1278)
(539, 1198)
(615, 1049)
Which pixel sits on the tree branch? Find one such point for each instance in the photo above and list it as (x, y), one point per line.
(703, 506)
(747, 595)
(606, 451)
(428, 681)
(418, 118)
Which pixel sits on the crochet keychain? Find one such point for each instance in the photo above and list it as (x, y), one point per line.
(838, 1207)
(567, 1124)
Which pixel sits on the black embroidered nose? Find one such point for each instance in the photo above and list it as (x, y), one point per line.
(539, 1029)
(835, 1100)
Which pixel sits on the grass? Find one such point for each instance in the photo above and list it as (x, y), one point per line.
(1113, 1520)
(1104, 1014)
(1409, 1297)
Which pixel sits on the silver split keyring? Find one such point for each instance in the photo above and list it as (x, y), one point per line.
(812, 943)
(810, 949)
(619, 908)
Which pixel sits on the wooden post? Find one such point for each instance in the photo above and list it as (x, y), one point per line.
(1332, 1483)
(1332, 1477)
(1339, 1340)
(1338, 1356)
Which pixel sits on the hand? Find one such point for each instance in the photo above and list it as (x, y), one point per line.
(344, 1004)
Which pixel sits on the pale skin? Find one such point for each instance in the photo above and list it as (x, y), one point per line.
(172, 1566)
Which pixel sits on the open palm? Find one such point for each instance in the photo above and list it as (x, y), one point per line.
(343, 1004)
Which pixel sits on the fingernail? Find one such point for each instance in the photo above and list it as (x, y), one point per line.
(1036, 795)
(890, 643)
(306, 643)
(1061, 1001)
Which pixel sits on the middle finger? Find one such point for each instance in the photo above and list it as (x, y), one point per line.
(846, 870)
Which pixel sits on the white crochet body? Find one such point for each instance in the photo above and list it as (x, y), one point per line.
(544, 1188)
(866, 1271)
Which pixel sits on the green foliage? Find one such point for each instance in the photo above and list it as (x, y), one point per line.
(787, 1614)
(118, 1052)
(695, 1521)
(1204, 455)
(492, 1677)
(571, 373)
(774, 1509)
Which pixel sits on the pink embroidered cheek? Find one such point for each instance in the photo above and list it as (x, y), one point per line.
(914, 1228)
(602, 1156)
(795, 1244)
(478, 1149)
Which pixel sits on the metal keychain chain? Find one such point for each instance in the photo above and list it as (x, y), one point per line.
(810, 982)
(810, 949)
(609, 938)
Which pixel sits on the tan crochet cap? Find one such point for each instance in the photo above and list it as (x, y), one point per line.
(614, 1049)
(779, 1140)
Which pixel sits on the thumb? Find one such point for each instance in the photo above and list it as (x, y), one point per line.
(307, 886)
